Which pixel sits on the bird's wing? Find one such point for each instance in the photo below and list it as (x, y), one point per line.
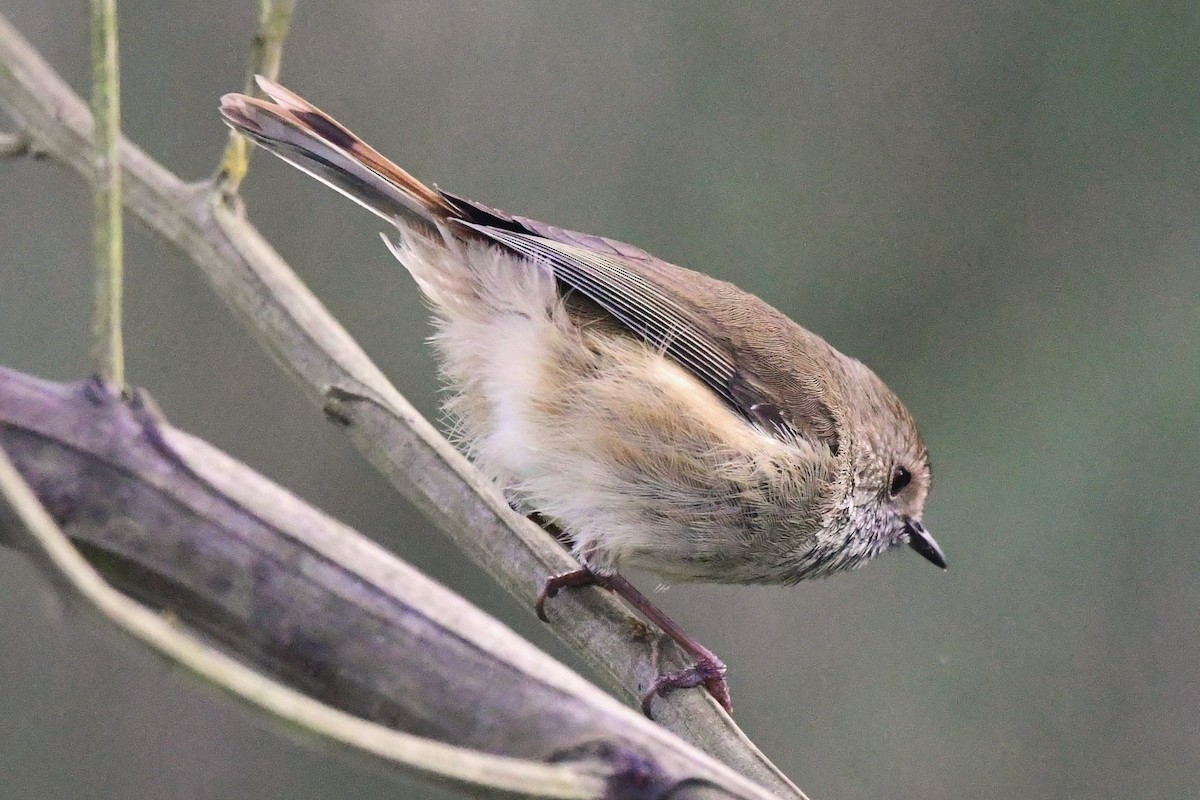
(607, 273)
(632, 300)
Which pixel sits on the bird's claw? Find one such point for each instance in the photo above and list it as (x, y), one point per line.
(556, 583)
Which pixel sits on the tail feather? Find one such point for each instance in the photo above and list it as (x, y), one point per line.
(312, 141)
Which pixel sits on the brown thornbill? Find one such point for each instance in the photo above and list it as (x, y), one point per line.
(653, 416)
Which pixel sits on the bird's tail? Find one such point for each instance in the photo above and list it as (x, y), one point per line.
(311, 140)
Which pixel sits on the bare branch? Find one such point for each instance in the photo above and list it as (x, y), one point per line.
(266, 56)
(332, 370)
(107, 347)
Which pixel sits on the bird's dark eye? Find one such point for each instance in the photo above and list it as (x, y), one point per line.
(900, 478)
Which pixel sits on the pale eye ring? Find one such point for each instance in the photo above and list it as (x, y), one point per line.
(901, 477)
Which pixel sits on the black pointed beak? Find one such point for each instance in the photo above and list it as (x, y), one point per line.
(920, 540)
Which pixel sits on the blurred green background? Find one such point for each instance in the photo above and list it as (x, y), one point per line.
(994, 205)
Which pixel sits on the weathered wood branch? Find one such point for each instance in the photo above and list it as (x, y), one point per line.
(220, 551)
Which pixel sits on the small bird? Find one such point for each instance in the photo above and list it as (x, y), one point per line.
(651, 416)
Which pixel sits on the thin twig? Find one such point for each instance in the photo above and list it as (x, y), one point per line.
(266, 55)
(289, 322)
(107, 346)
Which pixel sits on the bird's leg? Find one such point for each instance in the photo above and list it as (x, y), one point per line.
(567, 580)
(708, 669)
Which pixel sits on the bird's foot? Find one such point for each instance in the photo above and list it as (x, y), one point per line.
(708, 671)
